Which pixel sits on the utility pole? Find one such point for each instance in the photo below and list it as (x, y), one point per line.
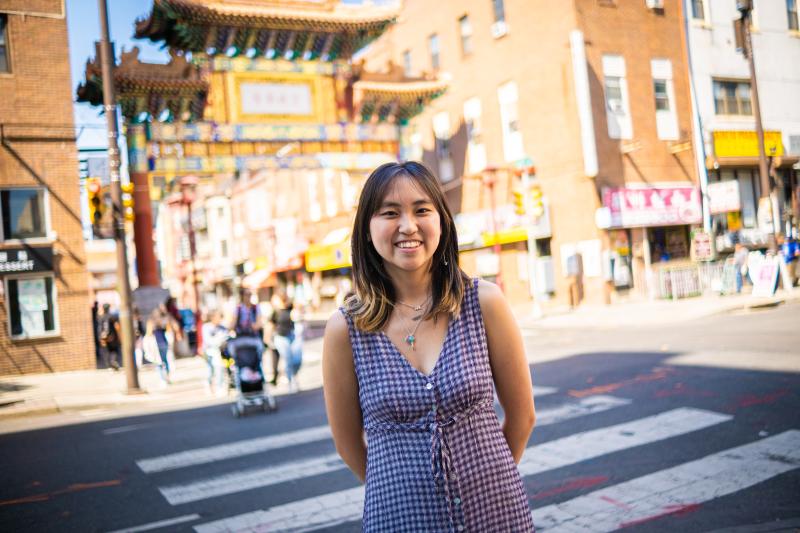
(742, 27)
(118, 220)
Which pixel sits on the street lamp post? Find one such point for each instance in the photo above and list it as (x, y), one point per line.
(745, 7)
(118, 220)
(188, 186)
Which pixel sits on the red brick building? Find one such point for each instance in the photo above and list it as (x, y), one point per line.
(45, 315)
(594, 94)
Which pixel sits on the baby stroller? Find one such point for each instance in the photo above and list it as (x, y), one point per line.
(248, 377)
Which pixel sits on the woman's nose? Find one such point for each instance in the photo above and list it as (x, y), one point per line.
(408, 224)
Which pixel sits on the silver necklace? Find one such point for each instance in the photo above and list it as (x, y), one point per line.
(415, 307)
(411, 335)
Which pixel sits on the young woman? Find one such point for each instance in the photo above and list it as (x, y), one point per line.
(413, 360)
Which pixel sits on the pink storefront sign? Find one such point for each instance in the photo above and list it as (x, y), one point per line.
(632, 207)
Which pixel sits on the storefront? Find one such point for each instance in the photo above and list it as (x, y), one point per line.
(329, 263)
(735, 191)
(648, 228)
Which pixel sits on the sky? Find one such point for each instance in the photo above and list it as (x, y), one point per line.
(83, 25)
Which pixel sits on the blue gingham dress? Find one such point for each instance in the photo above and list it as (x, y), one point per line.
(437, 460)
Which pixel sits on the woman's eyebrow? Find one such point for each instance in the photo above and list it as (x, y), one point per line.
(397, 204)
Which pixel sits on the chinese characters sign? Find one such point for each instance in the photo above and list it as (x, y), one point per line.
(276, 99)
(653, 206)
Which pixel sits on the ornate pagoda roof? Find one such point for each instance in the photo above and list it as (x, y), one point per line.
(149, 88)
(391, 95)
(309, 29)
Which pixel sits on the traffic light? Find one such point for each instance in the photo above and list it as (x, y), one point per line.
(95, 193)
(537, 202)
(519, 202)
(127, 201)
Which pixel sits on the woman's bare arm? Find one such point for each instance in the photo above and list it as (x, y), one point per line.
(341, 396)
(509, 364)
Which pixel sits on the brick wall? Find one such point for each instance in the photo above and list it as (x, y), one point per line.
(39, 151)
(535, 53)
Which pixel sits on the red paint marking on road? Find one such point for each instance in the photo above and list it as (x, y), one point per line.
(75, 487)
(749, 400)
(26, 499)
(682, 390)
(580, 483)
(612, 501)
(678, 510)
(611, 387)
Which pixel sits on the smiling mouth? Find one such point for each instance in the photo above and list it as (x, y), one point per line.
(408, 245)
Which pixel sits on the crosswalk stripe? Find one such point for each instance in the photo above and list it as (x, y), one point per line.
(251, 479)
(674, 489)
(590, 444)
(234, 449)
(347, 505)
(262, 477)
(258, 445)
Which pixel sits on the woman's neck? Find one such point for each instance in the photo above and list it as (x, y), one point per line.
(412, 288)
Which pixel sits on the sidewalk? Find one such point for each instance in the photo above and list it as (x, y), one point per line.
(89, 391)
(104, 390)
(647, 312)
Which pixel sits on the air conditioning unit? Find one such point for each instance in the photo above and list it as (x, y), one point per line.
(499, 29)
(655, 4)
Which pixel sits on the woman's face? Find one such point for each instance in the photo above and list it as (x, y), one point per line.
(406, 228)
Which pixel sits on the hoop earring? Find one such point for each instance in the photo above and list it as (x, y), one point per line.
(445, 262)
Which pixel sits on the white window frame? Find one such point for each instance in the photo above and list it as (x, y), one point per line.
(56, 331)
(434, 44)
(9, 67)
(666, 120)
(508, 98)
(407, 65)
(796, 29)
(442, 133)
(476, 148)
(620, 125)
(49, 235)
(465, 34)
(705, 19)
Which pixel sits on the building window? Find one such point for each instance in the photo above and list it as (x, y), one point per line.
(407, 63)
(698, 10)
(433, 47)
(732, 97)
(223, 245)
(509, 116)
(476, 150)
(666, 116)
(441, 132)
(618, 112)
(5, 65)
(499, 10)
(31, 305)
(465, 28)
(23, 212)
(791, 14)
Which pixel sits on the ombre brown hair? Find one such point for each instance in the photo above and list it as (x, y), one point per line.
(374, 297)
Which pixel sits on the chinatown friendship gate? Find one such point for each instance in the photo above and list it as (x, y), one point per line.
(249, 147)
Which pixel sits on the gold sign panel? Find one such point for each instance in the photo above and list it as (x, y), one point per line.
(745, 143)
(280, 98)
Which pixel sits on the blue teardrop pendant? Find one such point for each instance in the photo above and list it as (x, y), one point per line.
(410, 340)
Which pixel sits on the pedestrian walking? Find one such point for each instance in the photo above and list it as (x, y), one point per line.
(740, 256)
(109, 338)
(413, 360)
(160, 333)
(287, 338)
(214, 336)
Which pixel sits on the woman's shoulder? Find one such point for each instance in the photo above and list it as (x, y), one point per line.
(488, 292)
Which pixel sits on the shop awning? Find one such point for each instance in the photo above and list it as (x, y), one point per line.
(259, 279)
(331, 253)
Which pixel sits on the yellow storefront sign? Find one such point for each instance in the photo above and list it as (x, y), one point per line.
(745, 143)
(505, 236)
(321, 257)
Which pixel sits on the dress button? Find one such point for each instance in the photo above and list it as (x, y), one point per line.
(460, 527)
(434, 408)
(457, 501)
(429, 386)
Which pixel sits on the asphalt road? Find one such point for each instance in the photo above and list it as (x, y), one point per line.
(691, 427)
